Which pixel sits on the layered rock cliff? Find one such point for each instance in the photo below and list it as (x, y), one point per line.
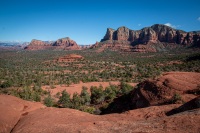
(149, 38)
(37, 45)
(66, 44)
(61, 44)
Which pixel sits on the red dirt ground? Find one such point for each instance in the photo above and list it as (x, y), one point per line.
(78, 87)
(19, 116)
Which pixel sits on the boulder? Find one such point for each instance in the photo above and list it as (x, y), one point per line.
(12, 109)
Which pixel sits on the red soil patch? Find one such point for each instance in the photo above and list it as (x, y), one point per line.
(57, 72)
(70, 58)
(170, 63)
(78, 87)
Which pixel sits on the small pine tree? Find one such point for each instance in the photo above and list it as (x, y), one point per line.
(35, 97)
(110, 94)
(124, 88)
(64, 99)
(6, 84)
(25, 93)
(76, 101)
(85, 96)
(48, 101)
(97, 95)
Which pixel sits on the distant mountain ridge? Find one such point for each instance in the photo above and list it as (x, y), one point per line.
(12, 45)
(149, 39)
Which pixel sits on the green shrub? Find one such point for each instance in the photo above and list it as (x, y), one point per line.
(64, 99)
(25, 93)
(176, 98)
(37, 89)
(125, 88)
(85, 96)
(49, 101)
(88, 109)
(35, 96)
(76, 101)
(110, 94)
(6, 84)
(97, 95)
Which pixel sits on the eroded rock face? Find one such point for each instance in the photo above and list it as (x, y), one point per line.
(147, 35)
(109, 34)
(122, 33)
(37, 45)
(12, 109)
(156, 34)
(66, 43)
(35, 42)
(32, 118)
(60, 44)
(170, 87)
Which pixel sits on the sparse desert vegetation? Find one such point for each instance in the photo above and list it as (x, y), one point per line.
(26, 73)
(103, 66)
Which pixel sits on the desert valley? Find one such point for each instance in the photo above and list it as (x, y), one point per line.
(134, 81)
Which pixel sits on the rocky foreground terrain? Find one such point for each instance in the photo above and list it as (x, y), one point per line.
(158, 37)
(158, 116)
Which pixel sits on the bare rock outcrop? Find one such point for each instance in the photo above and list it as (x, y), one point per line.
(60, 44)
(32, 118)
(192, 104)
(171, 87)
(168, 88)
(38, 45)
(12, 109)
(109, 34)
(66, 44)
(157, 34)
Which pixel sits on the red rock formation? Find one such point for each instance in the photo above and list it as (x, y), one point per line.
(19, 116)
(35, 42)
(109, 34)
(38, 45)
(12, 109)
(172, 87)
(162, 90)
(70, 58)
(122, 33)
(60, 44)
(66, 44)
(156, 34)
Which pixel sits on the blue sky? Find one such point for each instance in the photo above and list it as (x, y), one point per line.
(86, 21)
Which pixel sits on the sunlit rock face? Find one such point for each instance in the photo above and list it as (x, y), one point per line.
(154, 37)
